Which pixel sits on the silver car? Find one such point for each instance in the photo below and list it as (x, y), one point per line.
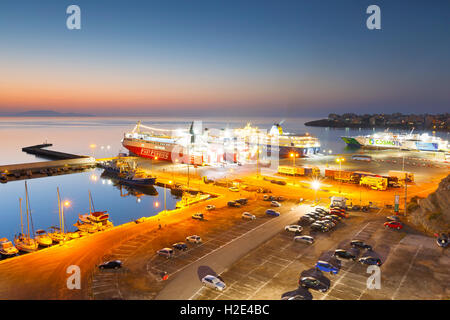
(213, 283)
(304, 239)
(194, 239)
(165, 252)
(248, 215)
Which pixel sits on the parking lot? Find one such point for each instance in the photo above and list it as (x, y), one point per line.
(414, 267)
(140, 277)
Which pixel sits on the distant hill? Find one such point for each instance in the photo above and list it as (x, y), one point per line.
(45, 113)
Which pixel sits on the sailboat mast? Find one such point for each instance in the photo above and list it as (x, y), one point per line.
(59, 209)
(26, 202)
(21, 216)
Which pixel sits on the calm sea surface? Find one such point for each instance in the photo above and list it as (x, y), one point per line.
(76, 135)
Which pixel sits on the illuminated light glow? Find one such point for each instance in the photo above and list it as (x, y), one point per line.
(67, 203)
(93, 146)
(156, 204)
(315, 185)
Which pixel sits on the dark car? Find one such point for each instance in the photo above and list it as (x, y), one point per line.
(113, 264)
(306, 220)
(318, 227)
(313, 283)
(271, 212)
(360, 244)
(234, 204)
(321, 210)
(280, 198)
(335, 217)
(356, 208)
(241, 201)
(180, 246)
(371, 261)
(442, 240)
(313, 214)
(344, 254)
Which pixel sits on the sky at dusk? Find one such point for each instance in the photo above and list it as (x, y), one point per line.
(193, 57)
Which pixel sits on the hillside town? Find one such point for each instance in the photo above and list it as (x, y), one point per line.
(433, 122)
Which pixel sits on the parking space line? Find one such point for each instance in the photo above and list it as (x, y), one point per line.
(406, 273)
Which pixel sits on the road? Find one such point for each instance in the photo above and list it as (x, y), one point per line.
(186, 282)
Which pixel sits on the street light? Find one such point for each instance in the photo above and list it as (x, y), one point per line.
(316, 186)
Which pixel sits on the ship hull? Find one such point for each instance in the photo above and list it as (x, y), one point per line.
(372, 143)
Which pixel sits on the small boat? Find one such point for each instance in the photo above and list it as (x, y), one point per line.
(56, 235)
(7, 249)
(43, 239)
(23, 242)
(86, 227)
(73, 235)
(99, 219)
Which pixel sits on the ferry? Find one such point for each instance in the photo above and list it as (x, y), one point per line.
(210, 147)
(389, 140)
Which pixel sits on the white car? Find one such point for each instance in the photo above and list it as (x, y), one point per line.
(213, 283)
(275, 204)
(194, 239)
(210, 207)
(234, 189)
(165, 252)
(304, 239)
(248, 215)
(294, 228)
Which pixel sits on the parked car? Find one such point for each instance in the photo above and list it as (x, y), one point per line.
(313, 215)
(393, 218)
(370, 261)
(194, 239)
(306, 220)
(165, 252)
(198, 216)
(234, 204)
(233, 189)
(344, 254)
(321, 210)
(442, 240)
(304, 239)
(213, 283)
(280, 182)
(313, 283)
(280, 198)
(271, 212)
(301, 200)
(180, 246)
(275, 204)
(248, 215)
(267, 198)
(210, 207)
(330, 224)
(113, 264)
(318, 227)
(242, 201)
(326, 267)
(393, 225)
(360, 244)
(294, 228)
(335, 217)
(356, 208)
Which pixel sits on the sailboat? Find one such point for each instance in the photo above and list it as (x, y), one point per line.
(57, 235)
(24, 242)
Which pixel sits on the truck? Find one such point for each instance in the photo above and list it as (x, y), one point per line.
(375, 183)
(289, 170)
(343, 175)
(362, 157)
(400, 175)
(340, 202)
(299, 171)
